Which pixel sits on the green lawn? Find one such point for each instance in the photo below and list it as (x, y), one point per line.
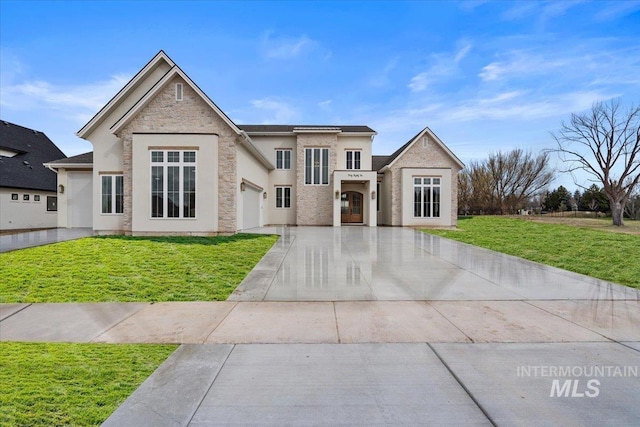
(119, 268)
(605, 255)
(71, 384)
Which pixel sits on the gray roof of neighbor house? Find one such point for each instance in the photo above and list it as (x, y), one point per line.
(290, 128)
(25, 170)
(84, 158)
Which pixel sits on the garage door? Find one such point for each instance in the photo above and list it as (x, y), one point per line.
(79, 199)
(250, 208)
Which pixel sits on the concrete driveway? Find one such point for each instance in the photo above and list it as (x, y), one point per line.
(375, 326)
(12, 242)
(395, 264)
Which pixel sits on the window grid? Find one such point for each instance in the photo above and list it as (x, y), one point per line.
(353, 159)
(316, 166)
(283, 159)
(426, 197)
(283, 197)
(173, 184)
(112, 194)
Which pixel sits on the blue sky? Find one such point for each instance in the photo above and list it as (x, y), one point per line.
(484, 76)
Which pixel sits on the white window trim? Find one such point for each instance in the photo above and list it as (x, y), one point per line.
(113, 194)
(430, 187)
(353, 159)
(284, 188)
(320, 164)
(164, 164)
(283, 151)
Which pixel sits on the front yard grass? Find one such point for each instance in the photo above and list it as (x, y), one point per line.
(141, 269)
(71, 384)
(609, 256)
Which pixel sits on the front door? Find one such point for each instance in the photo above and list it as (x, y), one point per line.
(351, 207)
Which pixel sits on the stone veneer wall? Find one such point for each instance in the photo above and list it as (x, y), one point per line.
(314, 203)
(432, 156)
(164, 114)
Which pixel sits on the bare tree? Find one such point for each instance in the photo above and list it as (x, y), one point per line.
(632, 208)
(605, 143)
(503, 182)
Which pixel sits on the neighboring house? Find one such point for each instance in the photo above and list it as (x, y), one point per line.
(27, 188)
(167, 160)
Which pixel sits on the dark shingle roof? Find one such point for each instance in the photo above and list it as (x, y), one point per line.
(290, 128)
(378, 162)
(26, 170)
(83, 158)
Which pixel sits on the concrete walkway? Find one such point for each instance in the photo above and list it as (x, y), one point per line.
(11, 242)
(387, 326)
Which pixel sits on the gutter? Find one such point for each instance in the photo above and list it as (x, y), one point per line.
(248, 144)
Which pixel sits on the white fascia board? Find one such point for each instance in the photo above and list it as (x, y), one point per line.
(124, 92)
(68, 165)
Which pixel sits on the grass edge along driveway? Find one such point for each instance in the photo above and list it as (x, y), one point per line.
(601, 254)
(131, 269)
(71, 384)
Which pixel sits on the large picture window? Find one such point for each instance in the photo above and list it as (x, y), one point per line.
(316, 166)
(283, 159)
(426, 197)
(283, 197)
(112, 191)
(353, 159)
(173, 184)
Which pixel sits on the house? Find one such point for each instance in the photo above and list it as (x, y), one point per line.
(168, 160)
(28, 196)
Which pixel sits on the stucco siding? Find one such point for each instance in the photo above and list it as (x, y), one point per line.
(251, 170)
(23, 214)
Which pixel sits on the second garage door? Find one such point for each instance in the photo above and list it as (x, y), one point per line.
(250, 208)
(80, 199)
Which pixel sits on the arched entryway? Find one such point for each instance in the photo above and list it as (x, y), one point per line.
(351, 207)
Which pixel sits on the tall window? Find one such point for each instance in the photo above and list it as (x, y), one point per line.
(378, 187)
(426, 197)
(173, 184)
(353, 159)
(283, 159)
(112, 194)
(316, 166)
(283, 197)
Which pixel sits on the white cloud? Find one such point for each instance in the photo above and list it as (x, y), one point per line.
(280, 111)
(444, 67)
(325, 105)
(522, 63)
(79, 102)
(286, 47)
(614, 10)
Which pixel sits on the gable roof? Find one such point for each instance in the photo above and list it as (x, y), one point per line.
(400, 151)
(124, 92)
(84, 159)
(142, 102)
(262, 129)
(26, 169)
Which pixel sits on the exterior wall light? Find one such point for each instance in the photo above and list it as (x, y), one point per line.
(337, 194)
(264, 195)
(373, 195)
(61, 189)
(243, 186)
